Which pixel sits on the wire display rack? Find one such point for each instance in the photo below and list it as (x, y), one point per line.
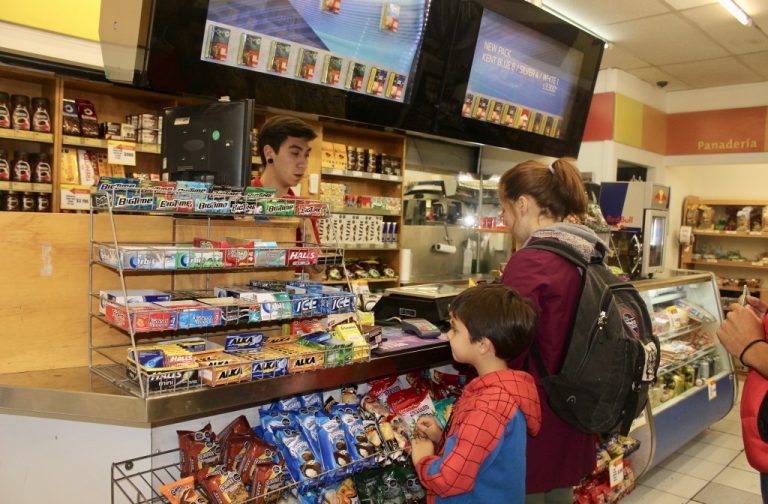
(206, 256)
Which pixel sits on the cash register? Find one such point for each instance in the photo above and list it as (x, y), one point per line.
(427, 301)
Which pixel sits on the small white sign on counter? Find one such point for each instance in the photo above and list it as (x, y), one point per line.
(119, 152)
(712, 389)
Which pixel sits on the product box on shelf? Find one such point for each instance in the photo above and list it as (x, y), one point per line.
(199, 258)
(301, 358)
(118, 296)
(266, 363)
(233, 311)
(145, 317)
(311, 209)
(192, 314)
(233, 256)
(220, 368)
(244, 341)
(268, 257)
(301, 256)
(351, 332)
(137, 258)
(284, 208)
(166, 380)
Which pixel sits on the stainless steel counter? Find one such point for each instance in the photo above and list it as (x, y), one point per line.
(78, 394)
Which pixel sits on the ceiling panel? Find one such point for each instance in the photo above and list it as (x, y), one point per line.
(617, 57)
(663, 39)
(758, 62)
(688, 4)
(712, 73)
(691, 44)
(726, 31)
(602, 12)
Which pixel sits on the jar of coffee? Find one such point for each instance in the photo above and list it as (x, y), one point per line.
(5, 167)
(41, 119)
(10, 202)
(41, 168)
(20, 112)
(21, 171)
(43, 202)
(28, 202)
(5, 110)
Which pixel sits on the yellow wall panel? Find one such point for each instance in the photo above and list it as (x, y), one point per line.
(629, 121)
(76, 18)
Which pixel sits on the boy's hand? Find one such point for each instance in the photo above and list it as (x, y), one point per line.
(420, 448)
(429, 427)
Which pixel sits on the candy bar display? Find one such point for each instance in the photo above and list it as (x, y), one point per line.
(361, 269)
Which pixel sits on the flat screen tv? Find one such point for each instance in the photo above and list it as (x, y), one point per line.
(408, 65)
(210, 142)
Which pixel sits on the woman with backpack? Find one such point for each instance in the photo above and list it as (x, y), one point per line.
(536, 199)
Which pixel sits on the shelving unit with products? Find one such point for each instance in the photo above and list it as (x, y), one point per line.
(23, 142)
(730, 238)
(362, 179)
(220, 282)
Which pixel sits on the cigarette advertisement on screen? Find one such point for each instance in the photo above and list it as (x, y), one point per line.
(357, 46)
(519, 78)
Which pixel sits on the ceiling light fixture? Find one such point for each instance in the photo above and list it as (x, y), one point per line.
(737, 12)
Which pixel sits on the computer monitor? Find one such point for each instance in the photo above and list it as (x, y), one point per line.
(208, 143)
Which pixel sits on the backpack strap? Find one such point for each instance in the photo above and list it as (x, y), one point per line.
(567, 252)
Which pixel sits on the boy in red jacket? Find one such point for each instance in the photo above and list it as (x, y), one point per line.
(480, 456)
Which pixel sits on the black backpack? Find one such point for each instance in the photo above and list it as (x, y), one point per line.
(612, 353)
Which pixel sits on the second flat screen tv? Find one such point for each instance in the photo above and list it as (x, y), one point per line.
(526, 76)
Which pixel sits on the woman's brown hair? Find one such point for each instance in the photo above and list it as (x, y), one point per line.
(557, 188)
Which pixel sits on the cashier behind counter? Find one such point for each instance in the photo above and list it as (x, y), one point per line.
(427, 301)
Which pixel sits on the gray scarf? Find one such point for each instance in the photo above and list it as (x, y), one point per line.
(582, 239)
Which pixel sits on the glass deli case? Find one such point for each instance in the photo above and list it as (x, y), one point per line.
(696, 384)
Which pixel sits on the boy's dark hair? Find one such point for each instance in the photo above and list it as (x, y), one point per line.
(496, 312)
(277, 129)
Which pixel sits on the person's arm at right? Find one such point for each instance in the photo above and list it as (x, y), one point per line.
(743, 335)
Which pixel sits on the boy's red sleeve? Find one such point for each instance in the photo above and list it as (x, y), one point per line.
(454, 471)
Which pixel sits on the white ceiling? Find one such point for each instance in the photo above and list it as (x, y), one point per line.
(691, 44)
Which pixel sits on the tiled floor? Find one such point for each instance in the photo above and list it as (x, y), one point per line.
(711, 469)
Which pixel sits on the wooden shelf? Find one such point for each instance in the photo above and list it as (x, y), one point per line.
(732, 264)
(354, 247)
(369, 280)
(367, 211)
(731, 234)
(29, 136)
(361, 175)
(26, 187)
(101, 143)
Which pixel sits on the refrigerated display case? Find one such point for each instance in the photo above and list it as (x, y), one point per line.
(696, 383)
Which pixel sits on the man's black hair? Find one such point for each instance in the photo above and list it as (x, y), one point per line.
(277, 129)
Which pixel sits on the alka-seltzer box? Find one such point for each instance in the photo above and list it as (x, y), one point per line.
(145, 317)
(266, 363)
(301, 358)
(233, 311)
(301, 256)
(311, 209)
(191, 314)
(219, 368)
(244, 341)
(199, 258)
(130, 296)
(234, 255)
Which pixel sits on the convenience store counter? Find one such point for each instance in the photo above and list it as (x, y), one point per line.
(77, 394)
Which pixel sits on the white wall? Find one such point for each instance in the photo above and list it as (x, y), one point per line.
(50, 460)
